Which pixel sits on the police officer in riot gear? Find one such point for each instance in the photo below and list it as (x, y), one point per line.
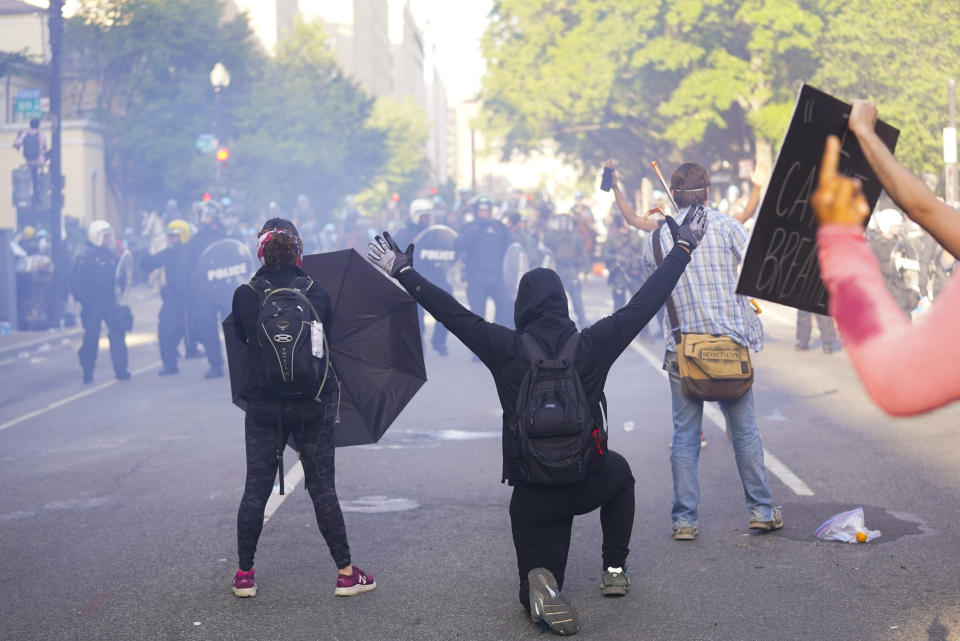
(567, 245)
(93, 283)
(432, 263)
(173, 319)
(204, 322)
(482, 244)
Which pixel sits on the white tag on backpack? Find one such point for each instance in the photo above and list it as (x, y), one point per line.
(316, 338)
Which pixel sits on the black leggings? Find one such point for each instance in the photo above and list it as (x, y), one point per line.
(542, 517)
(311, 425)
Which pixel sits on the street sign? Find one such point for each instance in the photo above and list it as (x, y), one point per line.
(780, 264)
(29, 103)
(207, 143)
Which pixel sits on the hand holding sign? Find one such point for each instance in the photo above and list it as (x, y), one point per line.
(838, 199)
(863, 116)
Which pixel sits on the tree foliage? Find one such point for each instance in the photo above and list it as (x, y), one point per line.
(707, 79)
(141, 68)
(900, 55)
(405, 125)
(293, 123)
(305, 128)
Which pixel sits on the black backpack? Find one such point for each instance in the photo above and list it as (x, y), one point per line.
(554, 426)
(285, 364)
(31, 146)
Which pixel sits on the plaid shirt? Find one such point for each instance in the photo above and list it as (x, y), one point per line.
(704, 297)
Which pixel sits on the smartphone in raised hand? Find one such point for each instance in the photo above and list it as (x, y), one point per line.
(606, 182)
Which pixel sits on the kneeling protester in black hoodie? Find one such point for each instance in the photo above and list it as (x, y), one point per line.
(541, 515)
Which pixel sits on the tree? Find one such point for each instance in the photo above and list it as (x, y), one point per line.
(900, 55)
(141, 68)
(668, 79)
(305, 129)
(406, 168)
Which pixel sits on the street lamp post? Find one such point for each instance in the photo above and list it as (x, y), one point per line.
(56, 174)
(219, 79)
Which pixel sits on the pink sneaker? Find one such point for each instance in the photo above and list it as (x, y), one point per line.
(243, 584)
(354, 584)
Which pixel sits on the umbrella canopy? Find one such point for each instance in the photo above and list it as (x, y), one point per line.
(374, 342)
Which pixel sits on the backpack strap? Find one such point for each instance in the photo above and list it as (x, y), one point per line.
(532, 348)
(569, 348)
(303, 283)
(671, 308)
(261, 286)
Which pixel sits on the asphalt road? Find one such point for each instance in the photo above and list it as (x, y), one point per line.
(118, 512)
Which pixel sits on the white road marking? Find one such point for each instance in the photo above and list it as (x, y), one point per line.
(73, 397)
(290, 481)
(774, 465)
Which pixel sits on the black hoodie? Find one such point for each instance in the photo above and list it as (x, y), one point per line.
(541, 311)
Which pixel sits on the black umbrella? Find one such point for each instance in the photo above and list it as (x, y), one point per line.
(374, 342)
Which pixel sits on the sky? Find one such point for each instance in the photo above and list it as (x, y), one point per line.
(454, 27)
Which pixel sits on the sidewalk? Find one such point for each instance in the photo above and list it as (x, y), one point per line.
(141, 299)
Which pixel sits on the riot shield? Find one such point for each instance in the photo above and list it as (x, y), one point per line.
(221, 268)
(123, 276)
(435, 253)
(516, 263)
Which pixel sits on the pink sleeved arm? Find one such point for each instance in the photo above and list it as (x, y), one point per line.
(906, 369)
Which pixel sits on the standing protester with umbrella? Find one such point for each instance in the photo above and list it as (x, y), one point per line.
(292, 391)
(546, 498)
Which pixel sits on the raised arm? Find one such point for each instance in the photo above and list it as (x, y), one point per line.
(909, 192)
(639, 222)
(905, 369)
(472, 330)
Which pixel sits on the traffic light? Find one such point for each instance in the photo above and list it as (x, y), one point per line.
(223, 154)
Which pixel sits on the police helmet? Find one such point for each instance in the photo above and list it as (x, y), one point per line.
(417, 208)
(98, 232)
(180, 229)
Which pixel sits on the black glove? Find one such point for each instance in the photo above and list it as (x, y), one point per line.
(690, 233)
(385, 254)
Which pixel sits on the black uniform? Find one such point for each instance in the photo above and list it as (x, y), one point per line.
(542, 516)
(204, 324)
(482, 244)
(174, 318)
(436, 275)
(93, 282)
(269, 422)
(568, 251)
(622, 253)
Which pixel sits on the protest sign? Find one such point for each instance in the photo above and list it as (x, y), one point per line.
(780, 264)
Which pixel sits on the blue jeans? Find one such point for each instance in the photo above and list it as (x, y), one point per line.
(741, 416)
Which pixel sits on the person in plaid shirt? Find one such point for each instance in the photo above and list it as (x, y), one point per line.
(706, 304)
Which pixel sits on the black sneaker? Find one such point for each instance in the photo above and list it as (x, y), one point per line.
(548, 605)
(123, 376)
(168, 371)
(614, 582)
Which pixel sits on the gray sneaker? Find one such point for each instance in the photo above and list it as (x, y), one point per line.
(614, 582)
(774, 523)
(684, 533)
(548, 605)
